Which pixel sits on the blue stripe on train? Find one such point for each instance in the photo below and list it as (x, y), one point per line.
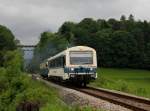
(80, 70)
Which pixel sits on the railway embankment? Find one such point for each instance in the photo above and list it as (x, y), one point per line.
(73, 97)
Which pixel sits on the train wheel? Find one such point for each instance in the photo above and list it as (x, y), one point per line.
(84, 84)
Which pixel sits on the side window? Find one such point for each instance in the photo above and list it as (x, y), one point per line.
(58, 62)
(49, 64)
(58, 65)
(63, 61)
(52, 63)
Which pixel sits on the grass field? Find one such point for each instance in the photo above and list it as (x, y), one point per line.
(127, 80)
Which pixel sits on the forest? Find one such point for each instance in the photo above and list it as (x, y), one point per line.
(123, 43)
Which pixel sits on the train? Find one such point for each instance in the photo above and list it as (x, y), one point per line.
(77, 64)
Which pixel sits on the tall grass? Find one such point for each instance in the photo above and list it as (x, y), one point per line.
(125, 80)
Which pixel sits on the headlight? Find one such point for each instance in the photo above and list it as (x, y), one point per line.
(91, 69)
(93, 75)
(72, 75)
(72, 69)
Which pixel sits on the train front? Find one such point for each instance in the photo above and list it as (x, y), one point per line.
(81, 64)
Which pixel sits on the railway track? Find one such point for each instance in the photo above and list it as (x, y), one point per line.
(129, 101)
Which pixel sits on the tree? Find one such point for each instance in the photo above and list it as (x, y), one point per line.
(131, 18)
(103, 24)
(88, 24)
(66, 30)
(124, 46)
(148, 56)
(6, 39)
(123, 18)
(7, 42)
(115, 25)
(102, 44)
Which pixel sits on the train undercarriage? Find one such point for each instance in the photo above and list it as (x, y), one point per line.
(76, 80)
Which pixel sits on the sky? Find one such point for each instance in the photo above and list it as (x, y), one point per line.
(27, 19)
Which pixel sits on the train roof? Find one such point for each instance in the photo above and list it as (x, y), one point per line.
(69, 49)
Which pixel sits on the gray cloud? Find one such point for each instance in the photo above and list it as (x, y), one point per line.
(28, 18)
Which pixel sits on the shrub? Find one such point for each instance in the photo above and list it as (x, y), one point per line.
(122, 86)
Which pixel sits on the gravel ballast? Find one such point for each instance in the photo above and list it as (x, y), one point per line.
(73, 97)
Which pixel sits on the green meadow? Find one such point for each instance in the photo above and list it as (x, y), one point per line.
(126, 80)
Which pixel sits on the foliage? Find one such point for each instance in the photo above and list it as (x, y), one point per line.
(6, 39)
(13, 61)
(7, 42)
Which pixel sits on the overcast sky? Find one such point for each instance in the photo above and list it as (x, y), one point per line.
(28, 18)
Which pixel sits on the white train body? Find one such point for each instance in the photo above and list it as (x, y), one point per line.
(77, 63)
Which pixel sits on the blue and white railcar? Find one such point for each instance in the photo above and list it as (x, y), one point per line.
(77, 64)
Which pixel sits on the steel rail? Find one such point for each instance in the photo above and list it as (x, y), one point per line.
(129, 101)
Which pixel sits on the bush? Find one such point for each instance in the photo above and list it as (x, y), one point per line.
(3, 80)
(122, 86)
(13, 62)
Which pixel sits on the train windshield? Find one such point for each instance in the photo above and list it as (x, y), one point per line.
(81, 57)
